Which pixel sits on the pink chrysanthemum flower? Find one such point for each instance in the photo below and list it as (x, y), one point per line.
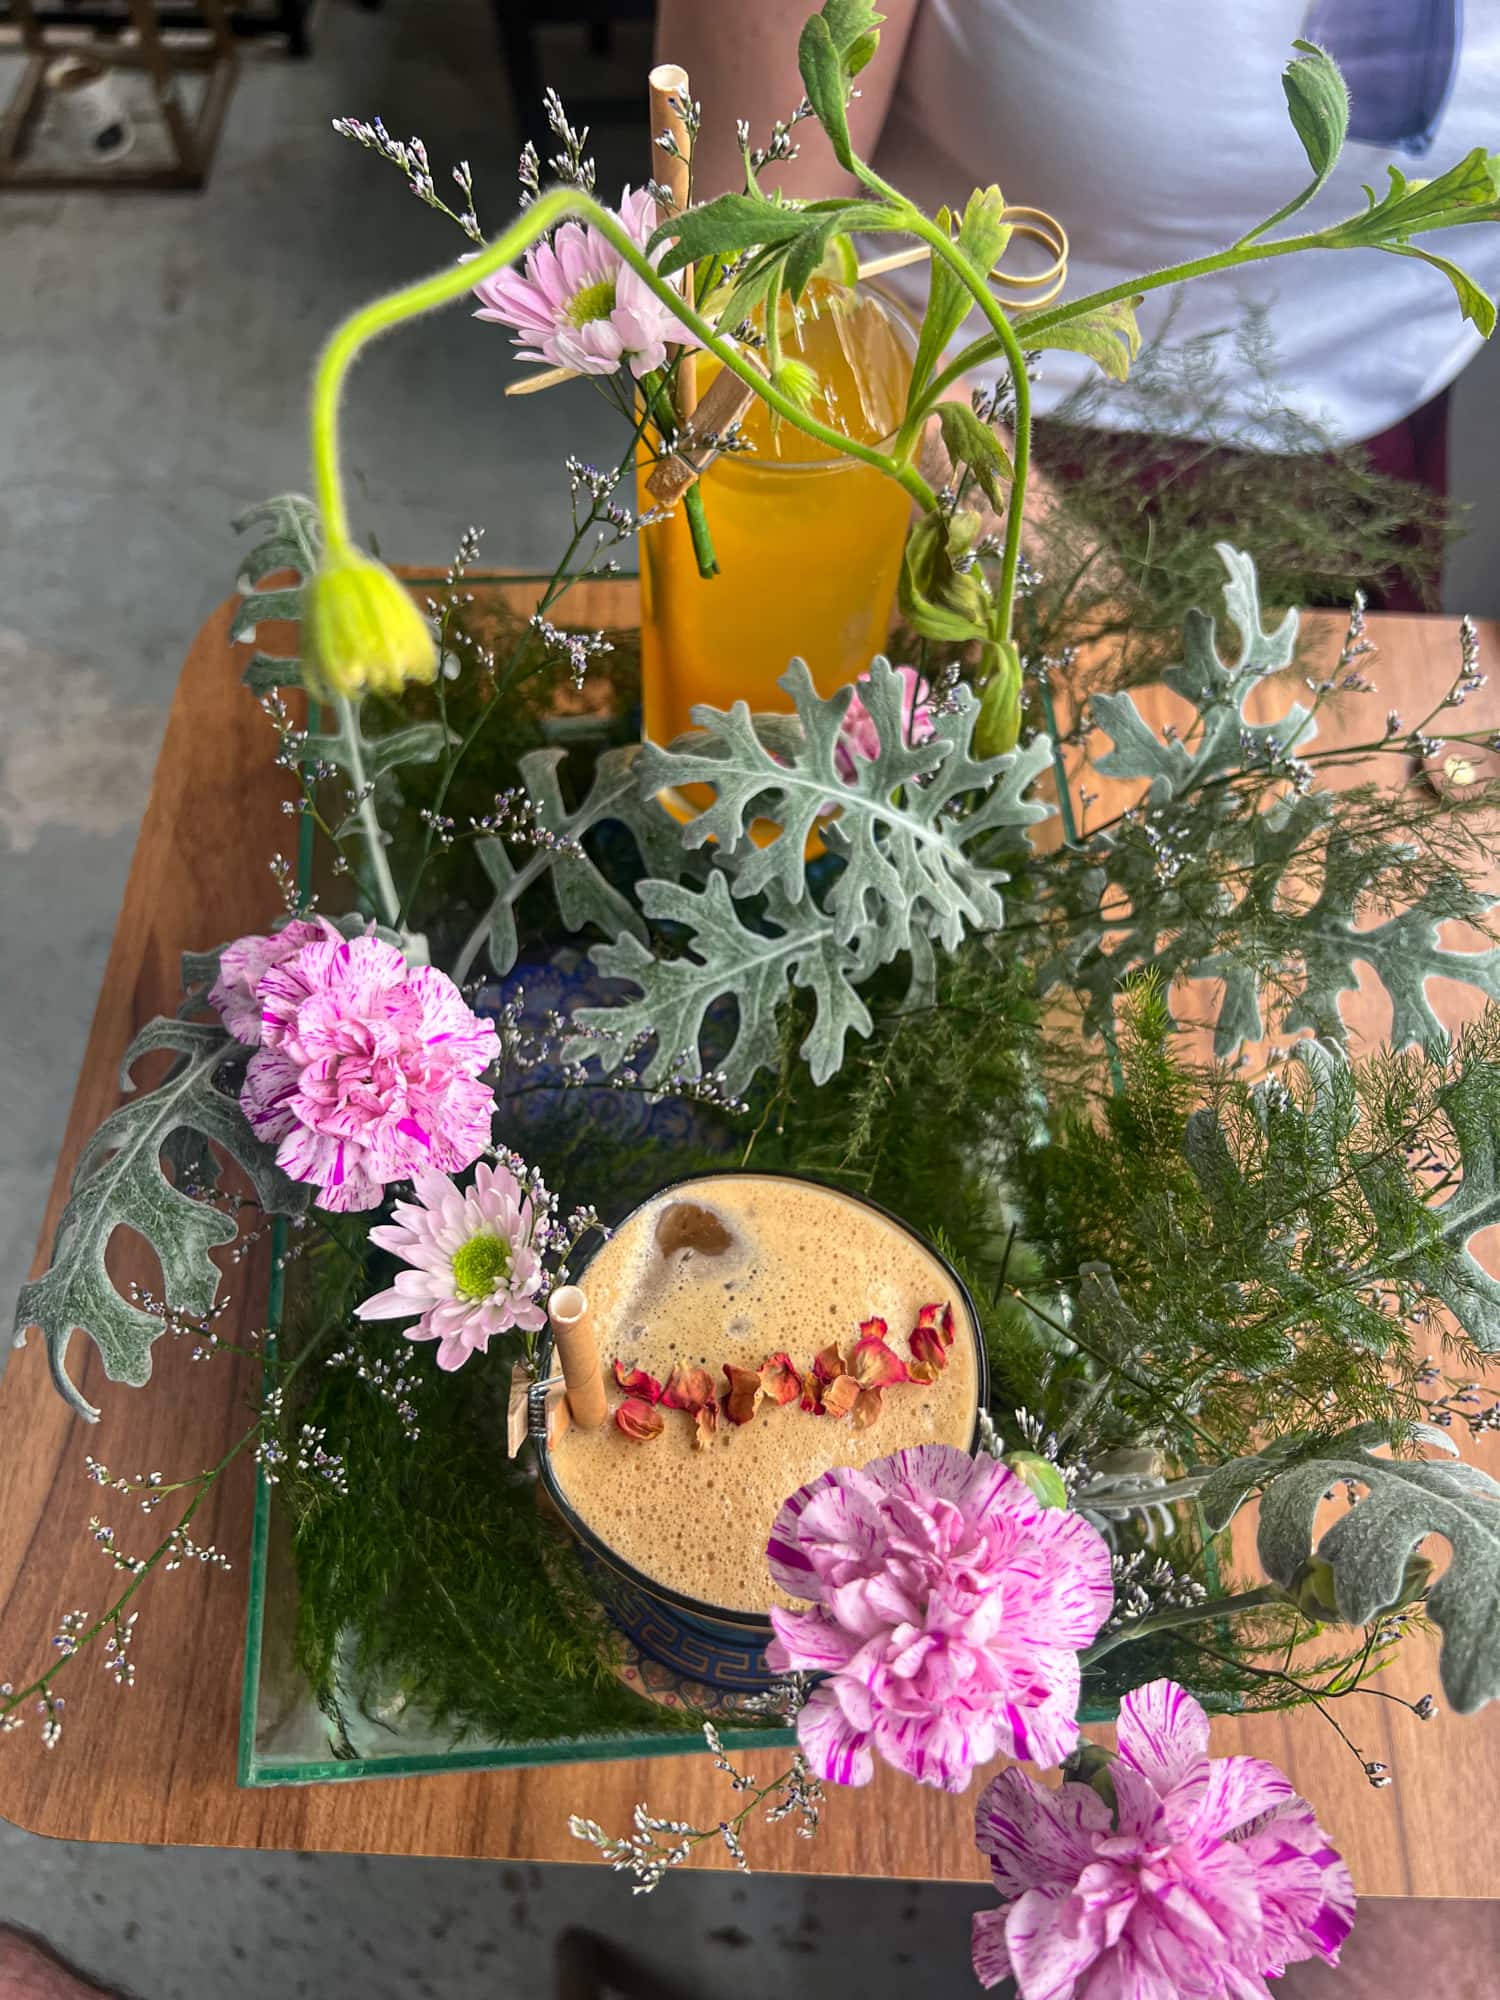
(858, 736)
(243, 964)
(579, 305)
(367, 1071)
(948, 1607)
(1209, 1876)
(473, 1265)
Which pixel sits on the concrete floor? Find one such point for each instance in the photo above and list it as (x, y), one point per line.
(153, 355)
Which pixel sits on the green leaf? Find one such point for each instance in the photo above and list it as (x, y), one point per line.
(292, 541)
(585, 896)
(119, 1184)
(982, 236)
(418, 743)
(827, 85)
(1468, 192)
(724, 227)
(1368, 1547)
(905, 821)
(1474, 302)
(972, 443)
(1108, 335)
(1318, 100)
(853, 26)
(730, 958)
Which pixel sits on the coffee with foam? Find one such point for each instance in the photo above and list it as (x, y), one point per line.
(734, 1269)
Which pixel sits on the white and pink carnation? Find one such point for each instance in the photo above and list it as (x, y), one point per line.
(243, 965)
(473, 1268)
(1206, 1878)
(948, 1607)
(577, 304)
(858, 735)
(368, 1070)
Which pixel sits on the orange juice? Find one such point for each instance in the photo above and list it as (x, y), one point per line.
(809, 542)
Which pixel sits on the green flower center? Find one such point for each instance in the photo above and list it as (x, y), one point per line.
(478, 1264)
(595, 301)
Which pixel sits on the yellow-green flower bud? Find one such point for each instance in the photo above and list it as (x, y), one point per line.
(796, 381)
(361, 629)
(1313, 1593)
(1041, 1475)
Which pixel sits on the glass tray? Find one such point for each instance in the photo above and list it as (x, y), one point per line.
(287, 1739)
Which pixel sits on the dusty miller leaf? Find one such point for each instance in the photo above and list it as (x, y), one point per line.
(584, 894)
(119, 1183)
(733, 960)
(899, 832)
(292, 540)
(1368, 1547)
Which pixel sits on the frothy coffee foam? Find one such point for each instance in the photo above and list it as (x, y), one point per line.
(734, 1269)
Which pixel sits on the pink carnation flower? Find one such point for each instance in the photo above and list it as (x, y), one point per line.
(858, 736)
(579, 305)
(367, 1071)
(473, 1268)
(243, 964)
(948, 1606)
(1207, 1878)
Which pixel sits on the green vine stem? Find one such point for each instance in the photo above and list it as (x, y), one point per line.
(1262, 1598)
(369, 819)
(456, 280)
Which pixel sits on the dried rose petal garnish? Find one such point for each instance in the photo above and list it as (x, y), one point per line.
(828, 1367)
(840, 1397)
(639, 1420)
(692, 1390)
(874, 1329)
(636, 1382)
(780, 1380)
(874, 1367)
(743, 1391)
(929, 1341)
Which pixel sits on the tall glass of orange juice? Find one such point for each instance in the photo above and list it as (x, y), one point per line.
(808, 541)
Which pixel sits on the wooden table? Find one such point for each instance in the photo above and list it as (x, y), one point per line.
(156, 1763)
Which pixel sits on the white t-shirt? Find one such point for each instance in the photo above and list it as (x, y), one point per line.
(1157, 130)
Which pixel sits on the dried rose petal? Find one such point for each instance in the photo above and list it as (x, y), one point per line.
(828, 1366)
(780, 1379)
(874, 1365)
(639, 1420)
(743, 1392)
(924, 1371)
(690, 1389)
(930, 1340)
(873, 1329)
(866, 1409)
(636, 1382)
(840, 1396)
(705, 1423)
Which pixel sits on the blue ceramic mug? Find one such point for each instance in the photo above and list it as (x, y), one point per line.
(720, 1648)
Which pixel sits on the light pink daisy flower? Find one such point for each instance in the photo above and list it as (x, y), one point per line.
(858, 736)
(948, 1607)
(367, 1071)
(243, 964)
(473, 1268)
(1208, 1877)
(579, 305)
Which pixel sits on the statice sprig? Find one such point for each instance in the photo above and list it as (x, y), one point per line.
(410, 155)
(656, 1845)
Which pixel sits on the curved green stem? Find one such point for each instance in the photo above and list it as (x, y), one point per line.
(1259, 1599)
(456, 280)
(1177, 274)
(369, 819)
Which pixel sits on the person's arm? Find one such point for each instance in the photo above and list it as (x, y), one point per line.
(742, 63)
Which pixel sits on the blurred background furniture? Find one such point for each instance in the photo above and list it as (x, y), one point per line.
(177, 132)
